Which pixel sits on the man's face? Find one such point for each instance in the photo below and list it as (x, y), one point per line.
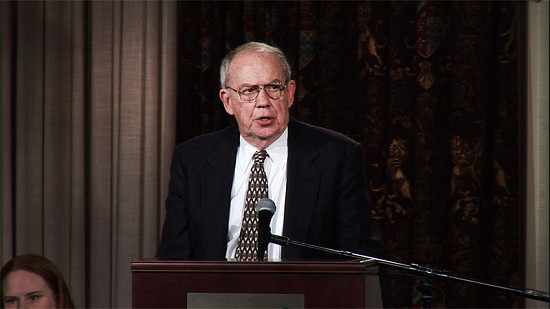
(263, 120)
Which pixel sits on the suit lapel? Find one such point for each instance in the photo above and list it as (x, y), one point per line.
(303, 177)
(216, 186)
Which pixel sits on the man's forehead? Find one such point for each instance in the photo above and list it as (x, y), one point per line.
(258, 64)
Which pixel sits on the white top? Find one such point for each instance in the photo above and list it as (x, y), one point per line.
(275, 170)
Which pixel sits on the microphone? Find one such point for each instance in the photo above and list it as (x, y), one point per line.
(265, 210)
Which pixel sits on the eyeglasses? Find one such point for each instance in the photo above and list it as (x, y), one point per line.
(250, 93)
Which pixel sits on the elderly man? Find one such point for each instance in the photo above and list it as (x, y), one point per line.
(315, 176)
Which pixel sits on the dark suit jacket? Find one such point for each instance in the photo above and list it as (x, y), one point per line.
(326, 202)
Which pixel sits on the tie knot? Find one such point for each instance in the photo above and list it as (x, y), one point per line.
(259, 156)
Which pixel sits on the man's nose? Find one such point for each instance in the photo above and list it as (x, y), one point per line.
(263, 98)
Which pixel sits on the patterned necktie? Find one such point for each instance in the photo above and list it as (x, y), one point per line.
(247, 248)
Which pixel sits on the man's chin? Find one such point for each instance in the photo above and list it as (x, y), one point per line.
(263, 138)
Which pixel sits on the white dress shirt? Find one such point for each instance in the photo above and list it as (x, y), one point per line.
(275, 170)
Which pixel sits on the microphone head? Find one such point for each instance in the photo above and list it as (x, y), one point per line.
(265, 209)
(266, 204)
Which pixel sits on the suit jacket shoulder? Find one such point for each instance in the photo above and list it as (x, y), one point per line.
(203, 146)
(304, 138)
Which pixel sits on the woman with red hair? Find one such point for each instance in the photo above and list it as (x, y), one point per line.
(33, 281)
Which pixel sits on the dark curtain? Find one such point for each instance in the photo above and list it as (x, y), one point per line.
(432, 90)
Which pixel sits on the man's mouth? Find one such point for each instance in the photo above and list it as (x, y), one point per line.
(264, 121)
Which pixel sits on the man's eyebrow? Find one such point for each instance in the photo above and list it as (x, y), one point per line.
(275, 81)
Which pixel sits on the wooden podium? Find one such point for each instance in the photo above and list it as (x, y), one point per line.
(181, 284)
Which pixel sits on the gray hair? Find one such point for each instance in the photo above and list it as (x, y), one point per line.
(248, 48)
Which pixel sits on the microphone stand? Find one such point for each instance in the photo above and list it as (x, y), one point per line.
(426, 275)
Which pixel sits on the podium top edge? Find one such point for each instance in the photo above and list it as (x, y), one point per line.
(233, 266)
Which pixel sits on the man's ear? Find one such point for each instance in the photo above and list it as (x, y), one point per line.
(291, 88)
(224, 97)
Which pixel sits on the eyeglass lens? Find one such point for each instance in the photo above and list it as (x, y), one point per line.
(250, 93)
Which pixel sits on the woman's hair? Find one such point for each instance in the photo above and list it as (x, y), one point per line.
(44, 268)
(248, 48)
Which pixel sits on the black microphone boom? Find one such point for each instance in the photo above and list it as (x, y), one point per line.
(266, 209)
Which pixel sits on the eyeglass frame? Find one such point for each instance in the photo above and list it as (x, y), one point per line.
(260, 87)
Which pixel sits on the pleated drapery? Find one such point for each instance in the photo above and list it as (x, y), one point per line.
(88, 129)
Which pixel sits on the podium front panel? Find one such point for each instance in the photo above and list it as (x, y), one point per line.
(173, 284)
